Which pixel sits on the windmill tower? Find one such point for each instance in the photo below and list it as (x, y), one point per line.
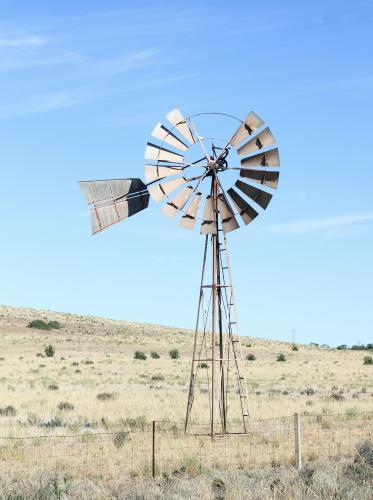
(192, 176)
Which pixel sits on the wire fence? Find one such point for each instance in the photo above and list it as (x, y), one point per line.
(165, 448)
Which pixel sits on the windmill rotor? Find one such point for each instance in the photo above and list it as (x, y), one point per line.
(216, 183)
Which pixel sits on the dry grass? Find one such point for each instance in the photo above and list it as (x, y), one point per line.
(93, 384)
(95, 356)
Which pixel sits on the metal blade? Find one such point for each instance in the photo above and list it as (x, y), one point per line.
(262, 140)
(109, 189)
(154, 152)
(245, 210)
(162, 133)
(262, 198)
(188, 220)
(176, 118)
(269, 159)
(154, 172)
(264, 177)
(172, 207)
(228, 220)
(114, 200)
(246, 128)
(208, 225)
(161, 190)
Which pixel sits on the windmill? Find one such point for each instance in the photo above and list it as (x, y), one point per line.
(192, 176)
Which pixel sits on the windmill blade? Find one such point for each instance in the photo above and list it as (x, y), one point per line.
(262, 198)
(176, 118)
(163, 134)
(188, 220)
(245, 210)
(154, 172)
(262, 140)
(268, 159)
(269, 179)
(159, 191)
(114, 200)
(246, 128)
(172, 207)
(228, 220)
(208, 225)
(154, 152)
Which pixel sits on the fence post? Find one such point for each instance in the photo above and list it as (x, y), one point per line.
(298, 454)
(153, 449)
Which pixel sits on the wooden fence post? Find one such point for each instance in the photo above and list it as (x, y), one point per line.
(153, 448)
(297, 435)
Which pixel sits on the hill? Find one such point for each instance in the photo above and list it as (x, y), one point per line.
(95, 355)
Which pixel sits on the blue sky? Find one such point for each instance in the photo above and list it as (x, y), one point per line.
(82, 85)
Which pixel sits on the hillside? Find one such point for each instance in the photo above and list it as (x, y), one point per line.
(96, 355)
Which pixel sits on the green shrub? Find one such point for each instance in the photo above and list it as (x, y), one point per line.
(281, 357)
(65, 405)
(154, 355)
(140, 355)
(250, 357)
(119, 439)
(39, 324)
(49, 351)
(174, 354)
(8, 411)
(53, 387)
(368, 360)
(294, 347)
(43, 325)
(105, 396)
(203, 365)
(158, 378)
(54, 325)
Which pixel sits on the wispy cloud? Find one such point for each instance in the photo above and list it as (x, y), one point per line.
(127, 62)
(44, 103)
(22, 42)
(321, 224)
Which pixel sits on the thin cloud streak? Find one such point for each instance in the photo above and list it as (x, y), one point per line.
(22, 42)
(315, 225)
(44, 104)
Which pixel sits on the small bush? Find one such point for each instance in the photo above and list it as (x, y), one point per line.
(54, 325)
(158, 378)
(65, 405)
(250, 357)
(294, 347)
(203, 365)
(138, 423)
(119, 439)
(52, 423)
(368, 360)
(105, 396)
(43, 325)
(154, 355)
(174, 354)
(342, 347)
(140, 355)
(309, 391)
(336, 396)
(39, 324)
(8, 411)
(49, 351)
(281, 357)
(53, 387)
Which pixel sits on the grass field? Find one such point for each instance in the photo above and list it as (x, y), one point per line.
(93, 384)
(96, 355)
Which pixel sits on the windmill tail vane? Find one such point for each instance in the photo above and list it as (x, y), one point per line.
(196, 189)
